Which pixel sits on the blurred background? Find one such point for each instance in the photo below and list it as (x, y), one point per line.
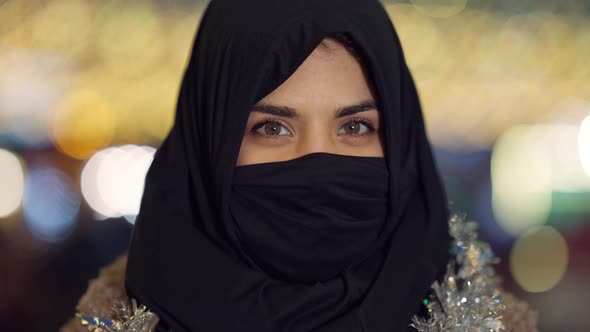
(88, 91)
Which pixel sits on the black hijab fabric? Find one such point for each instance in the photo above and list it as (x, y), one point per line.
(188, 260)
(311, 218)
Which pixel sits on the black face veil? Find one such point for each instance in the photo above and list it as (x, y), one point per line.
(185, 262)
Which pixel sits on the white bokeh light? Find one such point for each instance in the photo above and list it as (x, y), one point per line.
(530, 164)
(521, 180)
(113, 180)
(12, 180)
(31, 85)
(584, 144)
(89, 184)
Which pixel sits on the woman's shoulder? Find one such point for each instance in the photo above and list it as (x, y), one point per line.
(105, 306)
(103, 292)
(470, 285)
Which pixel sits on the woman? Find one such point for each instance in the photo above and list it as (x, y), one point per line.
(296, 190)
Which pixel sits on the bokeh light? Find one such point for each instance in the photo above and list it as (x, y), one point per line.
(437, 8)
(179, 40)
(506, 80)
(70, 36)
(13, 13)
(521, 180)
(130, 38)
(515, 46)
(51, 204)
(154, 98)
(113, 179)
(89, 184)
(561, 141)
(584, 144)
(12, 180)
(31, 84)
(411, 23)
(555, 39)
(83, 123)
(529, 165)
(539, 259)
(500, 64)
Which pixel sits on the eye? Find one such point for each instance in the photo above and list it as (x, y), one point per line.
(356, 128)
(270, 127)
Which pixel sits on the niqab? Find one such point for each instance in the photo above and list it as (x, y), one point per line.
(200, 268)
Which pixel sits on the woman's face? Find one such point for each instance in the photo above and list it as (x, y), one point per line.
(326, 106)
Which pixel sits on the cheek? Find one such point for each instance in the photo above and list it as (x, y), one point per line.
(369, 147)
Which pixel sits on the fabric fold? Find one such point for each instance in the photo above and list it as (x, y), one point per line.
(189, 260)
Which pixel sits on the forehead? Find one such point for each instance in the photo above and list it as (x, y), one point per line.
(330, 74)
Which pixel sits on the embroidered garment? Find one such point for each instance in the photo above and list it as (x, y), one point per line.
(469, 298)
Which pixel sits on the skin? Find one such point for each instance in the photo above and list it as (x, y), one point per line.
(301, 115)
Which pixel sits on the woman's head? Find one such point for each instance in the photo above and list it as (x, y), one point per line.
(370, 214)
(327, 105)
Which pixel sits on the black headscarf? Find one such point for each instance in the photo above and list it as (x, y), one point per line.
(186, 262)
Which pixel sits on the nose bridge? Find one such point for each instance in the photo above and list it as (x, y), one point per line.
(316, 138)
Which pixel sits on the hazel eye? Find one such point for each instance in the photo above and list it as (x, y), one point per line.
(271, 128)
(354, 128)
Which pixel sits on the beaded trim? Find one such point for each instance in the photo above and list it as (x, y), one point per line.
(468, 299)
(126, 318)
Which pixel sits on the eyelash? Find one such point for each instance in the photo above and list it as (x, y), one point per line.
(260, 124)
(364, 121)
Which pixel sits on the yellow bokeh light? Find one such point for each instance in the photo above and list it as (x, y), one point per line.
(179, 41)
(130, 39)
(437, 8)
(553, 44)
(146, 107)
(64, 25)
(473, 43)
(13, 13)
(514, 54)
(409, 24)
(18, 36)
(578, 59)
(12, 180)
(83, 123)
(486, 69)
(539, 259)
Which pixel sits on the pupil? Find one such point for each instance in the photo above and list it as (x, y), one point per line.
(352, 128)
(271, 128)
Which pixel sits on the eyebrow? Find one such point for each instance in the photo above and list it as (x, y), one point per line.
(290, 112)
